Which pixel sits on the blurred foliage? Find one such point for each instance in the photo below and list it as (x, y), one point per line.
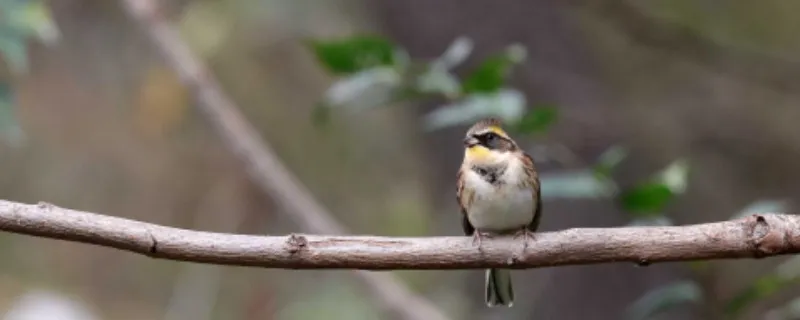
(784, 275)
(339, 300)
(538, 120)
(353, 54)
(660, 299)
(593, 182)
(205, 26)
(788, 311)
(491, 75)
(576, 184)
(163, 102)
(10, 130)
(375, 72)
(646, 199)
(20, 20)
(608, 161)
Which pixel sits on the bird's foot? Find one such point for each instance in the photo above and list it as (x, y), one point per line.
(526, 235)
(477, 238)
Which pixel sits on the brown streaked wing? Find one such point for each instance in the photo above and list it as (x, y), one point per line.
(464, 198)
(533, 181)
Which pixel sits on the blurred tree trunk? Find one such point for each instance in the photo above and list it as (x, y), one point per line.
(558, 70)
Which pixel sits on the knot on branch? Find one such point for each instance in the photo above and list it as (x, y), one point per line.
(769, 235)
(153, 249)
(45, 206)
(296, 243)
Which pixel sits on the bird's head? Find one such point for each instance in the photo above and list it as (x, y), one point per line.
(486, 143)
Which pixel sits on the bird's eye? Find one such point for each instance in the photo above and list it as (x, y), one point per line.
(491, 136)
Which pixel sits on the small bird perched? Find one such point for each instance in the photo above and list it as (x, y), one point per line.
(498, 191)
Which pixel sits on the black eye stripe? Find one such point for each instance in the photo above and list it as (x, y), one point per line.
(490, 139)
(488, 135)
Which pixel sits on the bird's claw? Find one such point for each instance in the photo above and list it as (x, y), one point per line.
(477, 236)
(526, 235)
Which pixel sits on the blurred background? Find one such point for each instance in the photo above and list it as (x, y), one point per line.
(637, 112)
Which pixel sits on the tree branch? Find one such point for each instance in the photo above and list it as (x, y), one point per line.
(755, 236)
(263, 166)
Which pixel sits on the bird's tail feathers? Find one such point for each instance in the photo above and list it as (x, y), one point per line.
(498, 288)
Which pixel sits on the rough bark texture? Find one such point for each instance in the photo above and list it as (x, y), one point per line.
(755, 236)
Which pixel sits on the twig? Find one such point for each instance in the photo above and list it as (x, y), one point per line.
(755, 236)
(264, 167)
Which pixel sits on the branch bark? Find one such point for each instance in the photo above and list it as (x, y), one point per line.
(263, 166)
(755, 236)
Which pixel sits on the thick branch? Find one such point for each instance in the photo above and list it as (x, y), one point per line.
(751, 237)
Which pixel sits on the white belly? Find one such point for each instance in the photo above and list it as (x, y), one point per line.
(499, 209)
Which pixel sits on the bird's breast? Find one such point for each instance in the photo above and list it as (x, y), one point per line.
(499, 207)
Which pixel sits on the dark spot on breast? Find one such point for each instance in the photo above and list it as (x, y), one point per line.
(490, 174)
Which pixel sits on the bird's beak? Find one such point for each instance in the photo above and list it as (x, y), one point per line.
(470, 141)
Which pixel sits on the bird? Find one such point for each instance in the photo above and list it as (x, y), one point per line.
(498, 190)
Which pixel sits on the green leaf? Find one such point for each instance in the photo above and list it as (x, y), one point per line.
(660, 299)
(490, 75)
(537, 120)
(353, 54)
(646, 199)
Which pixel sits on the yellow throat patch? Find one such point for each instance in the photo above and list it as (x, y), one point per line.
(478, 153)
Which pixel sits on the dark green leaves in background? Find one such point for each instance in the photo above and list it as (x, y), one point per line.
(371, 72)
(490, 76)
(349, 55)
(646, 199)
(537, 120)
(375, 72)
